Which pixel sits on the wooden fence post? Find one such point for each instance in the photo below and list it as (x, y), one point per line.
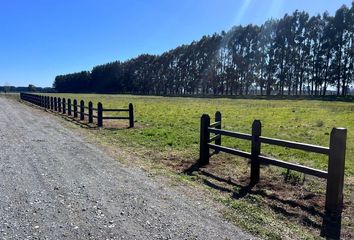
(90, 112)
(64, 106)
(42, 101)
(255, 151)
(48, 102)
(51, 103)
(59, 104)
(218, 119)
(131, 115)
(82, 110)
(204, 140)
(55, 104)
(99, 115)
(335, 179)
(69, 106)
(75, 108)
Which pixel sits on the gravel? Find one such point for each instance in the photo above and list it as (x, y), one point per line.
(55, 185)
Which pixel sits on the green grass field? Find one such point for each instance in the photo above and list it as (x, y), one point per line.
(167, 134)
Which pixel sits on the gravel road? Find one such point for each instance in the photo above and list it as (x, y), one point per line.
(54, 185)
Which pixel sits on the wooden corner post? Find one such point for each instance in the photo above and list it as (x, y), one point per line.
(204, 140)
(335, 179)
(131, 115)
(255, 151)
(99, 115)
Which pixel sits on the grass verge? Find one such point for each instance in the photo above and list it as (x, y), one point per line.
(284, 204)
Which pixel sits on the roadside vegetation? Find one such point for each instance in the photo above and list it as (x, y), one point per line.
(285, 203)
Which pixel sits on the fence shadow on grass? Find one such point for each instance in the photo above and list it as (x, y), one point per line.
(92, 126)
(116, 129)
(76, 121)
(330, 227)
(84, 123)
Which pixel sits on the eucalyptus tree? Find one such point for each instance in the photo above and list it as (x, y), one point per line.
(300, 50)
(266, 41)
(340, 37)
(276, 57)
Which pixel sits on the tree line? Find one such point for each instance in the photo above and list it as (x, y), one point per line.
(30, 88)
(295, 55)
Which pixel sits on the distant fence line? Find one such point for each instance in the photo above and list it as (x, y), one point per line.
(335, 153)
(73, 109)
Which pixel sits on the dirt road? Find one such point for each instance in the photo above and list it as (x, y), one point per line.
(54, 185)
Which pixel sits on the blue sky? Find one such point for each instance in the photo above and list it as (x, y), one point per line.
(40, 39)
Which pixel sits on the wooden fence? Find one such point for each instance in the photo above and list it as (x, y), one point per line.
(77, 110)
(335, 153)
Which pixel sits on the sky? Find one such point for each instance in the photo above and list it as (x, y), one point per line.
(40, 39)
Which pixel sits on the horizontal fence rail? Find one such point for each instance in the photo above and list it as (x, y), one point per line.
(335, 153)
(295, 145)
(77, 109)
